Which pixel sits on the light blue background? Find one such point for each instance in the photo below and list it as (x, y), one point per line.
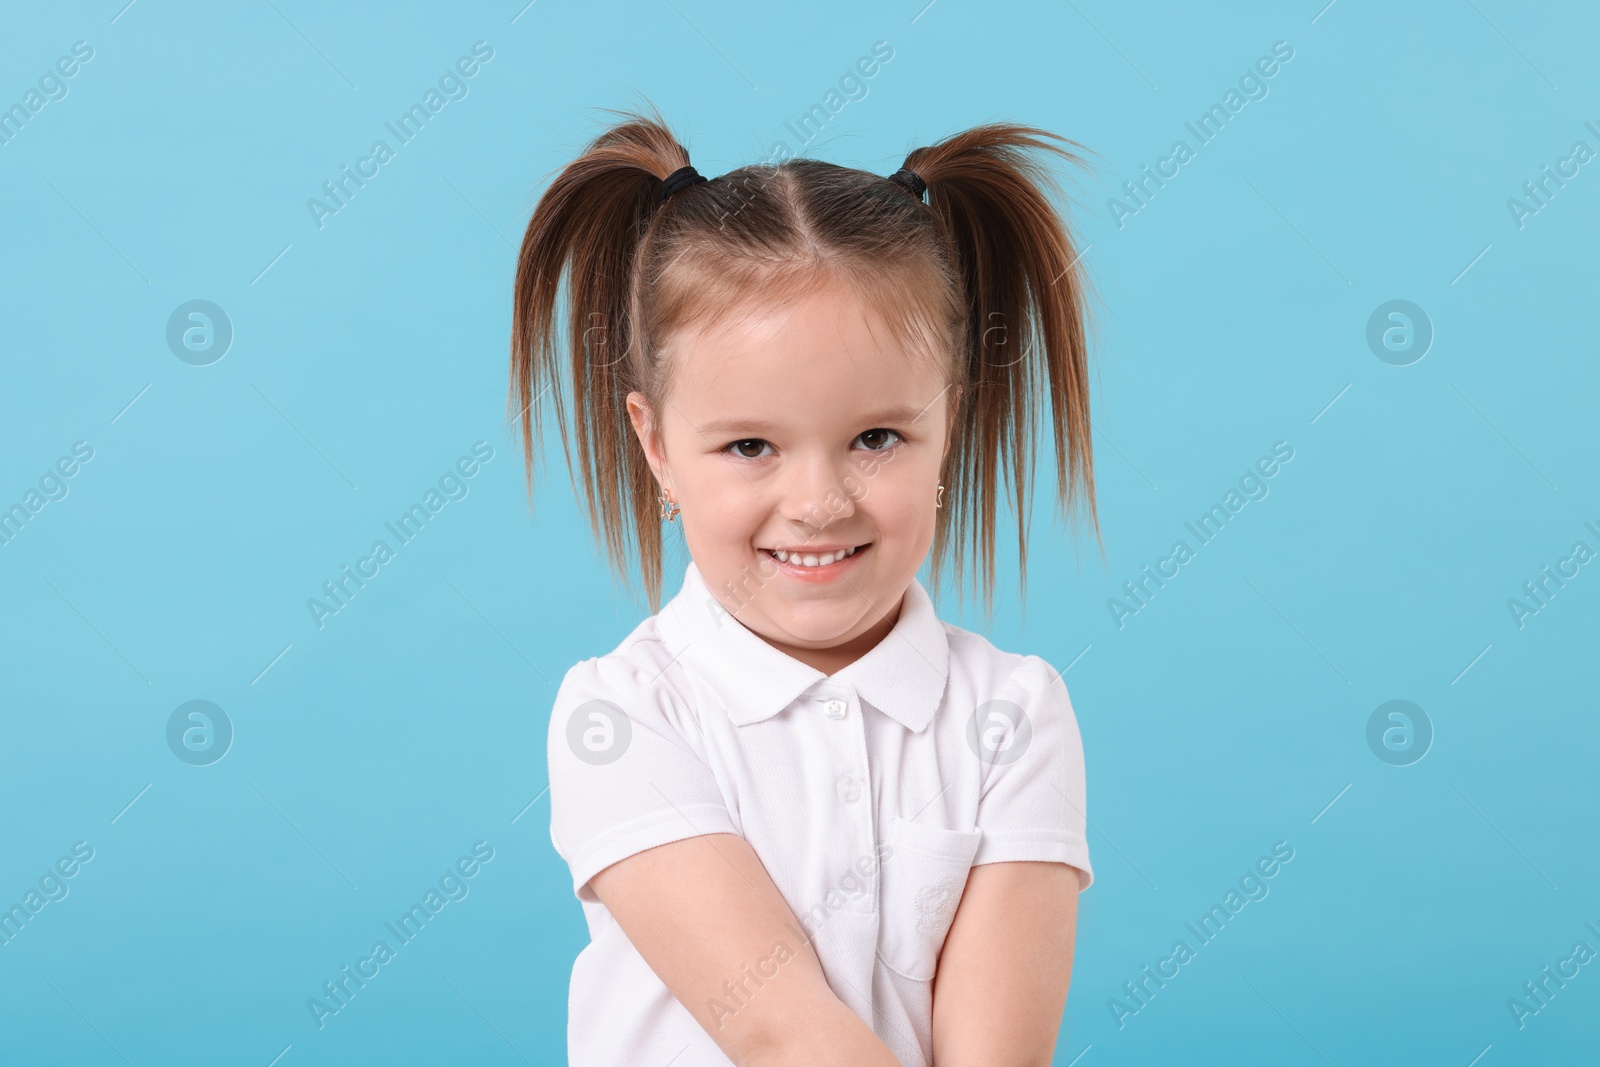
(371, 353)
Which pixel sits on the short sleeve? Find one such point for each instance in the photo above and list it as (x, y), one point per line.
(624, 773)
(1032, 805)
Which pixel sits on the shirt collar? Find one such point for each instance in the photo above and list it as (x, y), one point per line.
(903, 676)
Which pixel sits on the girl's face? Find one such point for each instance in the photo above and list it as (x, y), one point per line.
(793, 436)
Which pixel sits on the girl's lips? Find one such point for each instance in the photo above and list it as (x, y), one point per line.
(817, 574)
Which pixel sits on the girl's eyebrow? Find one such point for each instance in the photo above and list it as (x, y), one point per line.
(899, 413)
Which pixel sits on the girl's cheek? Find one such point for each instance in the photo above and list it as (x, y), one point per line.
(853, 486)
(892, 497)
(874, 469)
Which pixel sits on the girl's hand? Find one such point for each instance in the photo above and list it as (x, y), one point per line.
(1006, 964)
(702, 912)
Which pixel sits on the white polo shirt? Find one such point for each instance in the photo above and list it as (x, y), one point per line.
(868, 795)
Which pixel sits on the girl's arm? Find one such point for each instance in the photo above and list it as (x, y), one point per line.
(1002, 981)
(703, 912)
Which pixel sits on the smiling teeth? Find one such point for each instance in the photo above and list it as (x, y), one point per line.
(812, 560)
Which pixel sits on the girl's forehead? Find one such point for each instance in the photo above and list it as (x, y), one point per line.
(824, 358)
(762, 393)
(828, 329)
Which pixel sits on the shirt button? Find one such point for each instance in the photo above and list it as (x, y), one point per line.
(849, 789)
(836, 709)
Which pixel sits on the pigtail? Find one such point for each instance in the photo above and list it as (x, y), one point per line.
(1026, 313)
(586, 231)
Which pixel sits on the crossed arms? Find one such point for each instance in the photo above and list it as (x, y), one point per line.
(699, 910)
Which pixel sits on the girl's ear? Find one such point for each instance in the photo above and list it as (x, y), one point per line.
(646, 430)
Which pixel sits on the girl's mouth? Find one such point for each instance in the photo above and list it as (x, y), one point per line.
(810, 565)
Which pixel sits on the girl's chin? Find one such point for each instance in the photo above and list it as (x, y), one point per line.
(808, 639)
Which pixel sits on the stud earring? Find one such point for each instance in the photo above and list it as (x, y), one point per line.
(669, 507)
(938, 498)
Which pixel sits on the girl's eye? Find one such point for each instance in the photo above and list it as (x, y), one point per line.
(879, 440)
(750, 448)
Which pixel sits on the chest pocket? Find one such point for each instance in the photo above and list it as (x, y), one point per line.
(921, 880)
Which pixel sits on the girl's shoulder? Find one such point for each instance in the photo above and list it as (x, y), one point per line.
(985, 672)
(635, 675)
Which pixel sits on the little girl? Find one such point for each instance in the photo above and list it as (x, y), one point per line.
(810, 823)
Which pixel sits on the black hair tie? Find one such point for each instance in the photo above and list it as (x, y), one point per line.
(678, 179)
(911, 180)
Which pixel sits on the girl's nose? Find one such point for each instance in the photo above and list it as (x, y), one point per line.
(819, 492)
